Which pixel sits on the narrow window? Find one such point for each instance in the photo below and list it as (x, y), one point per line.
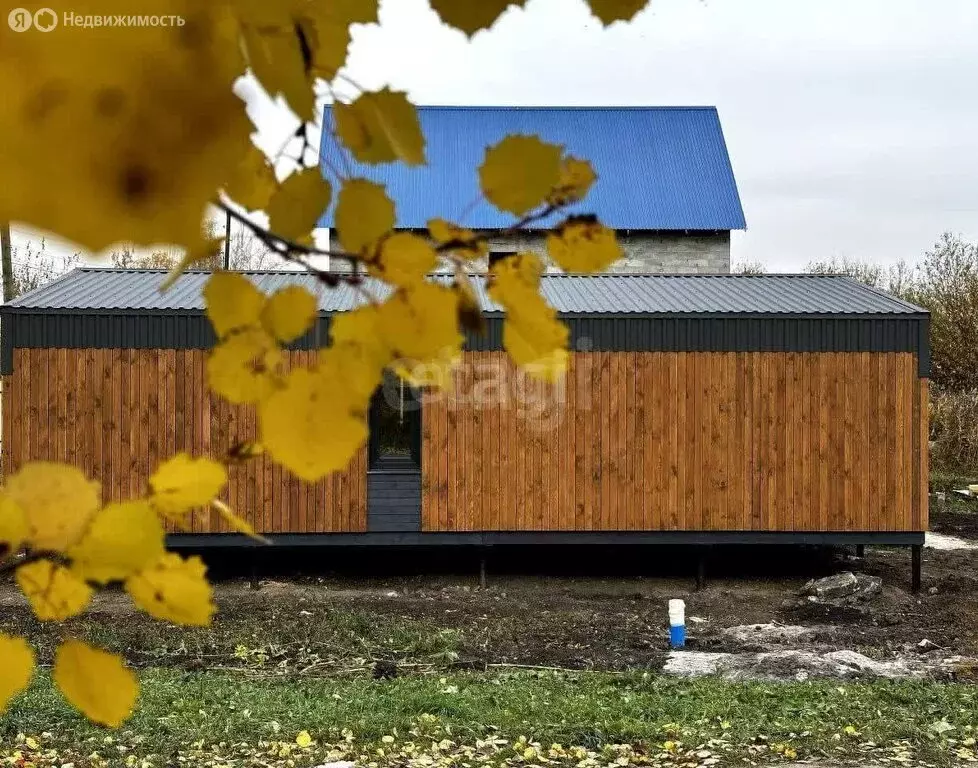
(395, 425)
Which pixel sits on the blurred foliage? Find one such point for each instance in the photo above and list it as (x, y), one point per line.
(945, 282)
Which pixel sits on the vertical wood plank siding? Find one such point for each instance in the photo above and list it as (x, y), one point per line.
(762, 441)
(117, 413)
(732, 441)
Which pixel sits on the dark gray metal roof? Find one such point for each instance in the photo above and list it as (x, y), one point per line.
(123, 290)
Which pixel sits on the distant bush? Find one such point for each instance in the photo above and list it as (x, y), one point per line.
(945, 282)
(947, 285)
(954, 431)
(748, 268)
(897, 279)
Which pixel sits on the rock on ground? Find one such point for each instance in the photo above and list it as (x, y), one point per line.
(770, 634)
(788, 665)
(847, 586)
(694, 663)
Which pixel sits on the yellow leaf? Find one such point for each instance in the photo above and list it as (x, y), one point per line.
(310, 425)
(420, 325)
(16, 667)
(298, 203)
(364, 214)
(381, 127)
(538, 343)
(288, 313)
(469, 309)
(532, 334)
(358, 355)
(233, 302)
(583, 244)
(461, 239)
(14, 530)
(182, 482)
(242, 368)
(359, 326)
(252, 180)
(469, 16)
(174, 589)
(332, 40)
(57, 501)
(576, 178)
(404, 259)
(356, 367)
(95, 682)
(235, 522)
(139, 149)
(519, 172)
(122, 538)
(277, 54)
(327, 28)
(53, 591)
(609, 11)
(521, 270)
(304, 740)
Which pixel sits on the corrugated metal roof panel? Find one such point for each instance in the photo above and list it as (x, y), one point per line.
(663, 168)
(121, 290)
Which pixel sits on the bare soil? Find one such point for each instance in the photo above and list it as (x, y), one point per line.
(589, 611)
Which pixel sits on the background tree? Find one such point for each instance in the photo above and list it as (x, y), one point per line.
(246, 252)
(897, 278)
(947, 285)
(32, 266)
(748, 267)
(6, 261)
(945, 282)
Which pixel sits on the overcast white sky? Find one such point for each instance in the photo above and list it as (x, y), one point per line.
(852, 125)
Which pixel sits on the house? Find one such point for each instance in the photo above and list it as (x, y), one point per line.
(697, 409)
(665, 182)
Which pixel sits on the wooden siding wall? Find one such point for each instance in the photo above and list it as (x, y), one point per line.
(117, 412)
(681, 441)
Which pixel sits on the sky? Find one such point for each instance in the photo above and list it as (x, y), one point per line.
(851, 124)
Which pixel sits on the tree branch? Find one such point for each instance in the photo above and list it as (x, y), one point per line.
(10, 562)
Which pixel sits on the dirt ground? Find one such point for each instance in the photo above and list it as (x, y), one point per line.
(575, 609)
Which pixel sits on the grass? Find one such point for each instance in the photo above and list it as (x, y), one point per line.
(941, 480)
(208, 713)
(262, 633)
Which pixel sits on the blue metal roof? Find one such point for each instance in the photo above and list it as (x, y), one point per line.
(662, 168)
(122, 290)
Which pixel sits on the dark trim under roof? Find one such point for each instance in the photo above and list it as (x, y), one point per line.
(92, 308)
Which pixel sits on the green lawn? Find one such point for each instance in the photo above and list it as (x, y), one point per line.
(232, 718)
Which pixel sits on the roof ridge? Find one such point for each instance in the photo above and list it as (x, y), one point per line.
(572, 107)
(697, 275)
(164, 271)
(548, 275)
